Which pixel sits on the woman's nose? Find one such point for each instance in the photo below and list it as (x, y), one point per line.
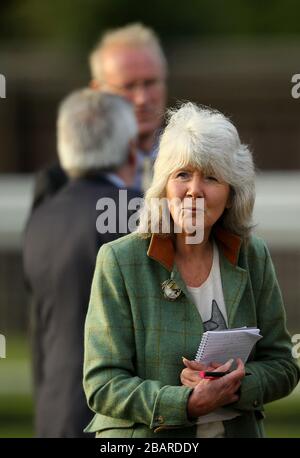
(195, 188)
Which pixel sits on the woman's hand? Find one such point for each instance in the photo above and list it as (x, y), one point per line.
(208, 395)
(190, 375)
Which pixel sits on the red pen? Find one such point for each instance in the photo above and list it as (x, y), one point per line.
(212, 375)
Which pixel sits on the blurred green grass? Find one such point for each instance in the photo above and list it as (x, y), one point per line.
(16, 416)
(16, 403)
(283, 416)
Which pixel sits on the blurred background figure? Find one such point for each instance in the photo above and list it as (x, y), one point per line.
(97, 150)
(130, 62)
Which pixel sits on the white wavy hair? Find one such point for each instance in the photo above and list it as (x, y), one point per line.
(134, 35)
(93, 131)
(203, 138)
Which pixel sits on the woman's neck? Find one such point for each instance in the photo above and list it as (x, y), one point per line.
(194, 262)
(190, 251)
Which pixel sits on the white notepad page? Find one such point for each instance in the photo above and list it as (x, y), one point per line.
(220, 346)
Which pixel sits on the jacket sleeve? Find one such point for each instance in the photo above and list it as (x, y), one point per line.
(110, 382)
(274, 371)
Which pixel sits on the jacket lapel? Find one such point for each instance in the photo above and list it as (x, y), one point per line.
(234, 280)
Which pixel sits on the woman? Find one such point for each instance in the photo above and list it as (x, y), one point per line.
(154, 294)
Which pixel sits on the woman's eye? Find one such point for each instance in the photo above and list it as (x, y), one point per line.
(211, 178)
(182, 175)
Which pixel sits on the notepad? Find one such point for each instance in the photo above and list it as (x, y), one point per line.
(222, 345)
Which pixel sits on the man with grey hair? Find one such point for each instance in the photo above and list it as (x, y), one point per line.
(130, 62)
(96, 146)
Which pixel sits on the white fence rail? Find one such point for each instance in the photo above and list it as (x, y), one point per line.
(277, 209)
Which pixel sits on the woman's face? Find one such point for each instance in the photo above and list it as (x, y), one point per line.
(196, 195)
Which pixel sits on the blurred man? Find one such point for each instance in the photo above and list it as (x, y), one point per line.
(97, 150)
(127, 61)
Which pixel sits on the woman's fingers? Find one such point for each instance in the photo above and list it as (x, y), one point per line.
(194, 365)
(198, 366)
(236, 386)
(233, 398)
(239, 372)
(189, 377)
(224, 367)
(189, 374)
(240, 366)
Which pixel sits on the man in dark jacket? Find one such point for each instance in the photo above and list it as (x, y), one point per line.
(96, 145)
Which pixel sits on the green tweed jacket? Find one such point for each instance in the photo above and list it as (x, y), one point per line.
(135, 338)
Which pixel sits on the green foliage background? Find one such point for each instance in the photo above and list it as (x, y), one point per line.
(78, 22)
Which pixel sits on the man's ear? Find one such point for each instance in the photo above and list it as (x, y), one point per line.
(94, 84)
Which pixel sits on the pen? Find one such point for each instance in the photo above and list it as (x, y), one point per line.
(212, 375)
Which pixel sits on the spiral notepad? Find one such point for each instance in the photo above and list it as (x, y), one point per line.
(222, 345)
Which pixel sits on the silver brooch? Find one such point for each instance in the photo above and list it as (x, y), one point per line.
(170, 290)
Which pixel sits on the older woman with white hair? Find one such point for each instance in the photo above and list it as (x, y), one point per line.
(192, 265)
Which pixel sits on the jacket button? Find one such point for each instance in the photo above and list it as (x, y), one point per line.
(160, 419)
(255, 403)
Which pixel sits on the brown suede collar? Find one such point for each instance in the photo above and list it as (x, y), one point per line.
(161, 249)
